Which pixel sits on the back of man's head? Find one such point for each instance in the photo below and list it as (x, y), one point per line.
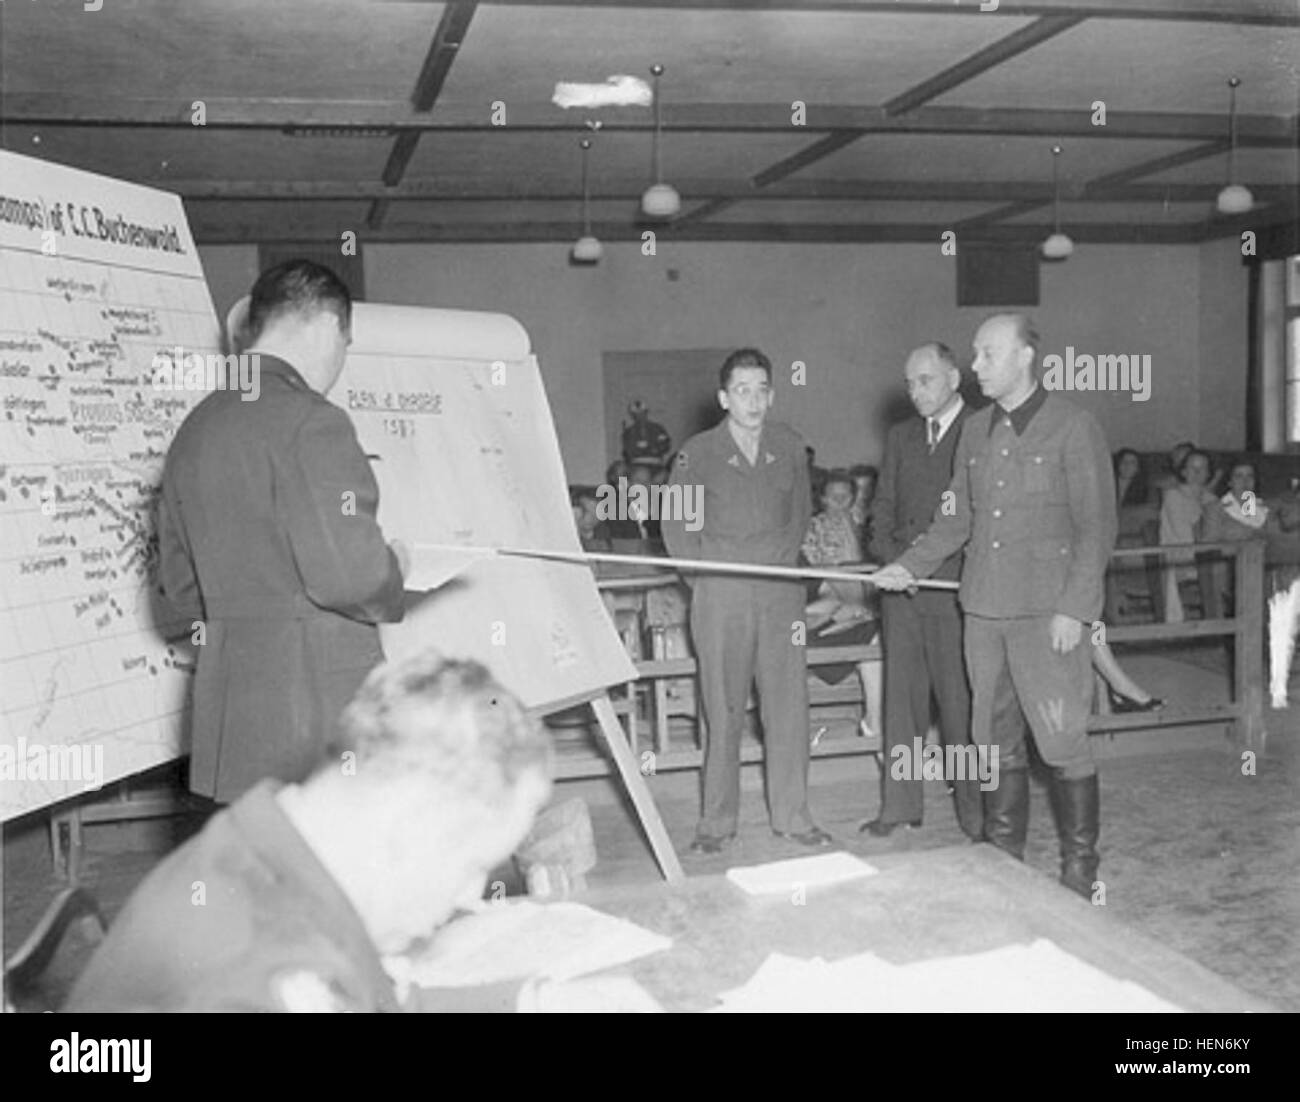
(447, 723)
(296, 289)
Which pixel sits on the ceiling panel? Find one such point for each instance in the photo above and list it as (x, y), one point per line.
(152, 156)
(516, 54)
(1144, 214)
(976, 157)
(320, 219)
(290, 48)
(1146, 65)
(444, 212)
(1257, 166)
(873, 212)
(622, 160)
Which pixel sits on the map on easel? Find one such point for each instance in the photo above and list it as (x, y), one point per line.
(97, 278)
(451, 408)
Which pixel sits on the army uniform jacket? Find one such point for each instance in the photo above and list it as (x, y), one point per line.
(1033, 504)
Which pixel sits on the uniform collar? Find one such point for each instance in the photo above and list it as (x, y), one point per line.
(1022, 414)
(282, 368)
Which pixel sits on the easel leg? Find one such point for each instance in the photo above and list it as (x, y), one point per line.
(634, 782)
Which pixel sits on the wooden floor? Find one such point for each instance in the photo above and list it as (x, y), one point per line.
(1196, 854)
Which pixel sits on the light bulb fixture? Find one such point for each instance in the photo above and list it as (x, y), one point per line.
(1057, 246)
(587, 249)
(1233, 199)
(660, 200)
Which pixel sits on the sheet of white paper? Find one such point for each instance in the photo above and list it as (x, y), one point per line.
(432, 569)
(784, 877)
(1040, 977)
(515, 940)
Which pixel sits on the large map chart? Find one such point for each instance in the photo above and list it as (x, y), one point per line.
(97, 278)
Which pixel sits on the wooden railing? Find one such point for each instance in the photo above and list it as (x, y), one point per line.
(1244, 709)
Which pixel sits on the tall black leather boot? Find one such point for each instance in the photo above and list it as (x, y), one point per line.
(1006, 812)
(1076, 804)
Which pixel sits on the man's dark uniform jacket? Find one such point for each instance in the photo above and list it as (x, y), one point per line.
(1034, 509)
(268, 536)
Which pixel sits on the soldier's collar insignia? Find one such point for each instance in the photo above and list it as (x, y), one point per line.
(734, 461)
(771, 458)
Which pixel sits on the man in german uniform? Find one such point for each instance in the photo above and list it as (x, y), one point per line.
(1034, 508)
(756, 506)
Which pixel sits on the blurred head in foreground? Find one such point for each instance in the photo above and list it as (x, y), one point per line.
(442, 778)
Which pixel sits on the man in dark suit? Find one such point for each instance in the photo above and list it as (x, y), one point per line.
(1034, 507)
(268, 538)
(922, 634)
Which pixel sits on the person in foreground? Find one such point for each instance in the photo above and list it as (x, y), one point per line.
(289, 898)
(1033, 504)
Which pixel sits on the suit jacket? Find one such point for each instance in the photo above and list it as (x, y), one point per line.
(1035, 513)
(750, 514)
(268, 535)
(910, 489)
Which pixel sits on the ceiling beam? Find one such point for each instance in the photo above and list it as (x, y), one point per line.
(373, 118)
(1097, 186)
(732, 191)
(451, 31)
(981, 61)
(225, 231)
(1265, 12)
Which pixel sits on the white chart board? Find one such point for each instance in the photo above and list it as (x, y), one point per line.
(97, 276)
(450, 405)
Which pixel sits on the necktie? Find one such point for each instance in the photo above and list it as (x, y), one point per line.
(932, 428)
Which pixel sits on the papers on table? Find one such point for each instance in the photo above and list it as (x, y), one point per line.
(802, 873)
(513, 940)
(1040, 977)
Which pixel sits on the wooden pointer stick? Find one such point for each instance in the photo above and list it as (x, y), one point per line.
(709, 566)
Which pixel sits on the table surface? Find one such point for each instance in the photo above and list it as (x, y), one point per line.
(925, 904)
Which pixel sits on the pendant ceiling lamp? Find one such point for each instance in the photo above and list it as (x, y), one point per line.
(660, 200)
(587, 249)
(1233, 199)
(1058, 246)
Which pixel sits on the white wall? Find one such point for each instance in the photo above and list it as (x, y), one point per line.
(850, 312)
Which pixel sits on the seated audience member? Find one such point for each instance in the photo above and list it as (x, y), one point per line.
(287, 900)
(1131, 486)
(648, 473)
(1133, 501)
(841, 607)
(1181, 510)
(582, 500)
(1169, 479)
(865, 479)
(1238, 514)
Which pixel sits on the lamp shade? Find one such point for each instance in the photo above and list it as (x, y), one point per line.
(587, 249)
(1058, 246)
(1235, 199)
(661, 201)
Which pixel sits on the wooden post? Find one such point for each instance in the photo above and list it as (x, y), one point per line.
(634, 782)
(1249, 649)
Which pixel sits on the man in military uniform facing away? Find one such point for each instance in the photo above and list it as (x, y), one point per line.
(756, 507)
(268, 536)
(1034, 508)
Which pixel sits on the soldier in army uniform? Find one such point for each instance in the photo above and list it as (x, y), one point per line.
(1033, 505)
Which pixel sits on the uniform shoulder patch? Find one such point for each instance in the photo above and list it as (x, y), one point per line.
(302, 991)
